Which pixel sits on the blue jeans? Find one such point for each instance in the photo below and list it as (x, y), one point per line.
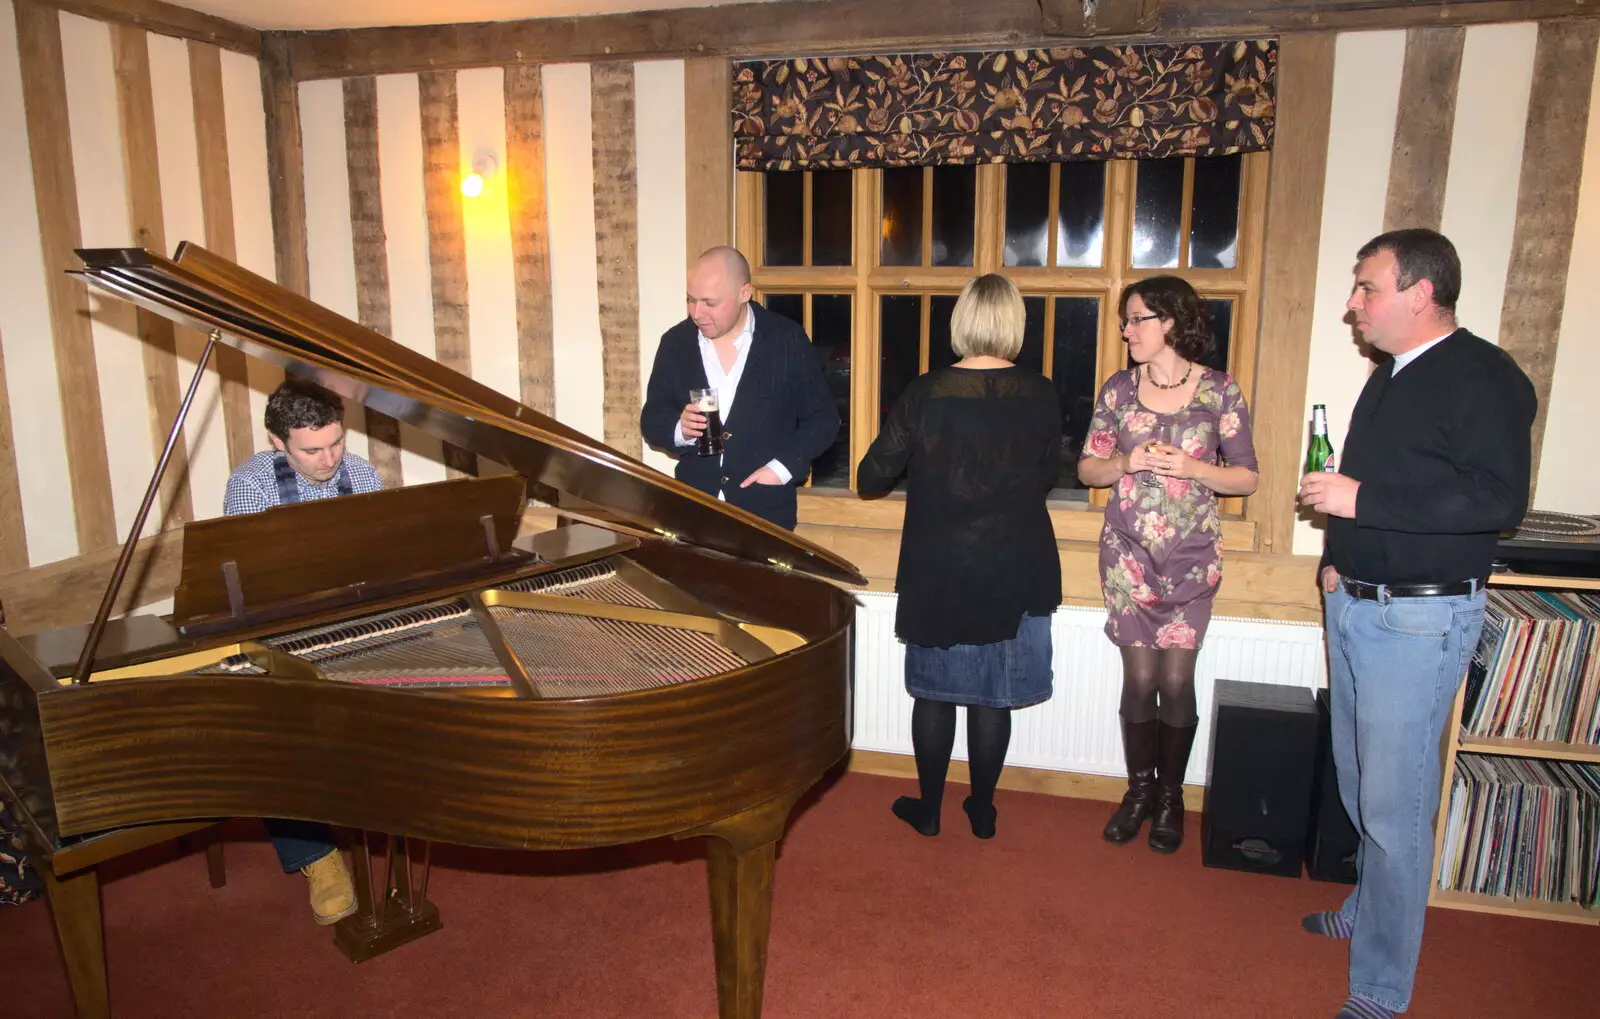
(1394, 667)
(299, 843)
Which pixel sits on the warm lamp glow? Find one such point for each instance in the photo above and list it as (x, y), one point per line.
(484, 166)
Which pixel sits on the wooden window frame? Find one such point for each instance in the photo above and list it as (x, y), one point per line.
(867, 280)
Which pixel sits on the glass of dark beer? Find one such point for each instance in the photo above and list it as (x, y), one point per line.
(708, 442)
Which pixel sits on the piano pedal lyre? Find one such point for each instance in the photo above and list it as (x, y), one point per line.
(401, 914)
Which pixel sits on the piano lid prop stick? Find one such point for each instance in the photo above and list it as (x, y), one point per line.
(80, 674)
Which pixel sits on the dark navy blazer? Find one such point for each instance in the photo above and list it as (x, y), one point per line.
(783, 411)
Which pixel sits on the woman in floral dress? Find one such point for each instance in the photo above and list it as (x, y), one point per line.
(1168, 436)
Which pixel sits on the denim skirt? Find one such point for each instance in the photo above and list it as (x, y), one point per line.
(1006, 674)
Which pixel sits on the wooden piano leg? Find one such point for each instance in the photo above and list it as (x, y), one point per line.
(741, 919)
(741, 852)
(75, 908)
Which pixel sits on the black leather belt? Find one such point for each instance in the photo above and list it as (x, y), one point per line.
(1376, 592)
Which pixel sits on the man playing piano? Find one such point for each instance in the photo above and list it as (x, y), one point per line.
(784, 416)
(307, 461)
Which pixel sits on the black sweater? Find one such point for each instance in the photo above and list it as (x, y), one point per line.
(981, 449)
(1442, 451)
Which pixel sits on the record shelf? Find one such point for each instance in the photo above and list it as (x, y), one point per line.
(1457, 741)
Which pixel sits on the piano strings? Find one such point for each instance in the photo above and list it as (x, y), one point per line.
(440, 644)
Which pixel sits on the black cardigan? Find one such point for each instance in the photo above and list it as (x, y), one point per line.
(1442, 451)
(982, 449)
(783, 411)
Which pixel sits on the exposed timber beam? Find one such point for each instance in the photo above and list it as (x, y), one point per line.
(164, 19)
(835, 27)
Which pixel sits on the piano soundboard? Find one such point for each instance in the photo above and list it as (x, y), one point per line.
(623, 639)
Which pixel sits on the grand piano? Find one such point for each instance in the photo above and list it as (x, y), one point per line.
(406, 663)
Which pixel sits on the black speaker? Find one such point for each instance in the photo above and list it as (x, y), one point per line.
(1263, 760)
(1332, 841)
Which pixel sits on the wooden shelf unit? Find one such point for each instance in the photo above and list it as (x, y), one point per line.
(1538, 909)
(1457, 742)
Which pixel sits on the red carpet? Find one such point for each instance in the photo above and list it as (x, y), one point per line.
(870, 920)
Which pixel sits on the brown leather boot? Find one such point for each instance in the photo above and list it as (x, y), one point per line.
(1166, 823)
(1139, 750)
(333, 896)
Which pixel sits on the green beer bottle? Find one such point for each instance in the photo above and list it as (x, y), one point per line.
(1319, 455)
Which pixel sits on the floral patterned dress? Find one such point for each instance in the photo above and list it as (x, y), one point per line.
(1161, 547)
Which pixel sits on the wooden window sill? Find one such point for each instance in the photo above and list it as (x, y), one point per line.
(1072, 520)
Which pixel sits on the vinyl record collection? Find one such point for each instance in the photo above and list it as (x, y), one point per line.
(1524, 829)
(1536, 673)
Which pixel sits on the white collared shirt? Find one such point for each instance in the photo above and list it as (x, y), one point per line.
(1401, 360)
(726, 383)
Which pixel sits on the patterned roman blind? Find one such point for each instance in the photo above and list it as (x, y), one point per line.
(933, 109)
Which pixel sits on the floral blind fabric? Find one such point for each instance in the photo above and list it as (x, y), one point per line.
(1107, 102)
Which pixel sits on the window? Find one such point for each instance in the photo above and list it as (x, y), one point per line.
(871, 262)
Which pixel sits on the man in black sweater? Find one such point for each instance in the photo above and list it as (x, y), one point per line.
(777, 413)
(1435, 465)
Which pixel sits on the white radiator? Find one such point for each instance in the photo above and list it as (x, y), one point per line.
(1076, 729)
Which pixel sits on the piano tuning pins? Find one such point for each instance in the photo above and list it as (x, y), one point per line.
(668, 535)
(782, 565)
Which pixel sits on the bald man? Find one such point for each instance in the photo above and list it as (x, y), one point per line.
(777, 413)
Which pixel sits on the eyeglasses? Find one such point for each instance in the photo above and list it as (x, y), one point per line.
(1133, 320)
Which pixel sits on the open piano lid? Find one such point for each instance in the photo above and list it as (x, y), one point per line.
(563, 467)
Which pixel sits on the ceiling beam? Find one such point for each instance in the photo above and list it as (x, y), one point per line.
(1243, 18)
(1088, 18)
(834, 27)
(784, 28)
(164, 19)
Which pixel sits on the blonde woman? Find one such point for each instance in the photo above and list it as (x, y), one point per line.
(979, 444)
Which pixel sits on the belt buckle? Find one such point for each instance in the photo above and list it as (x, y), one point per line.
(1362, 590)
(1365, 591)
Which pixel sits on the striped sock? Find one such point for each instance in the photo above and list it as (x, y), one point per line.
(1329, 924)
(1358, 1007)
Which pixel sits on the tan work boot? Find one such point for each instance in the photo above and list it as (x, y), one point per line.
(333, 897)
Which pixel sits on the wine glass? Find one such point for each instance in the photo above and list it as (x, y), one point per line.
(1164, 434)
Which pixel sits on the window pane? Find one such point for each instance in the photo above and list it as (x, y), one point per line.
(1076, 342)
(1027, 210)
(1214, 225)
(955, 191)
(785, 216)
(1080, 221)
(902, 216)
(900, 340)
(1222, 328)
(1032, 355)
(830, 217)
(790, 306)
(1157, 213)
(830, 338)
(940, 306)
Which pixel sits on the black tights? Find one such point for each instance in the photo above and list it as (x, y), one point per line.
(1147, 671)
(933, 733)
